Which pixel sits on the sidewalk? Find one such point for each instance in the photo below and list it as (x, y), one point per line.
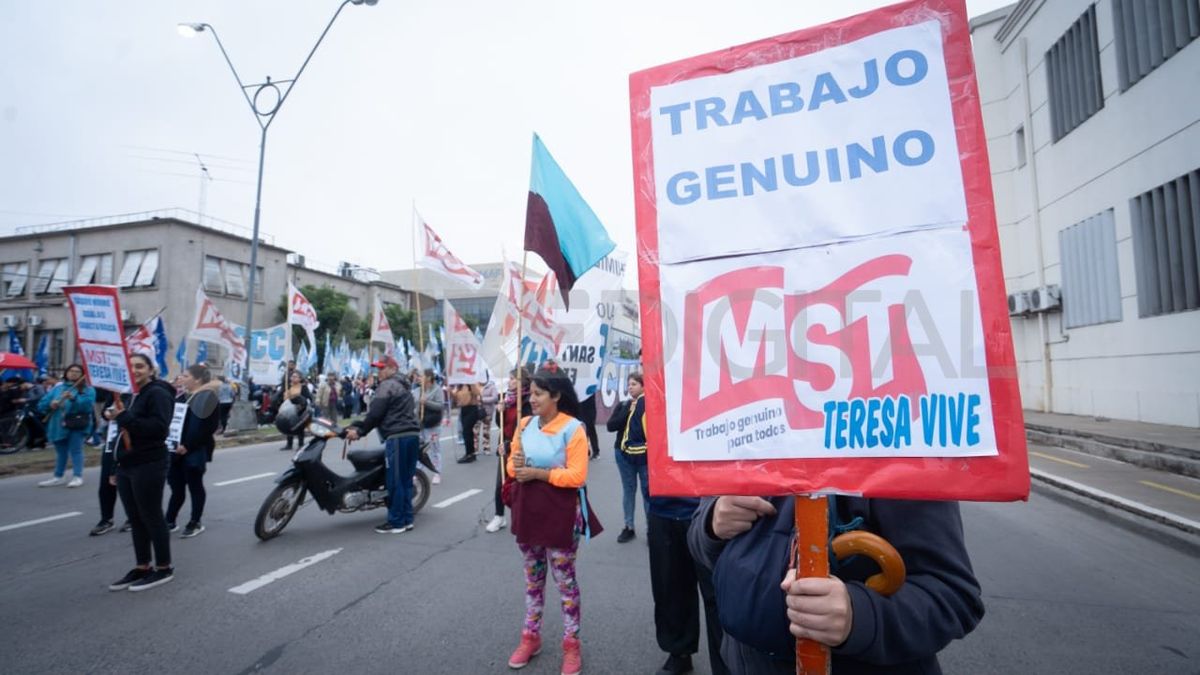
(1153, 437)
(1163, 497)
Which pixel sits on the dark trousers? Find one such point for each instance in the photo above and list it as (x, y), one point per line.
(186, 477)
(300, 436)
(223, 409)
(469, 415)
(674, 579)
(500, 460)
(107, 491)
(141, 490)
(400, 457)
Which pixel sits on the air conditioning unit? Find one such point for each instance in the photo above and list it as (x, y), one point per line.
(1045, 298)
(35, 320)
(126, 316)
(1018, 303)
(12, 321)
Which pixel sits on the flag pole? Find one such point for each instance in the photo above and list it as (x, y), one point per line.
(420, 325)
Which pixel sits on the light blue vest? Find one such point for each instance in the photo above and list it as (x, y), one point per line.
(546, 451)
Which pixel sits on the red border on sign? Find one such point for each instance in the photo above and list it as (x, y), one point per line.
(115, 294)
(1003, 477)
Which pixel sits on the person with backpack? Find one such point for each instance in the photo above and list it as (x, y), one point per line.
(68, 408)
(195, 448)
(744, 542)
(629, 423)
(141, 455)
(550, 509)
(432, 406)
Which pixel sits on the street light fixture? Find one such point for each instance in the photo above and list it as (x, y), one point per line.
(264, 108)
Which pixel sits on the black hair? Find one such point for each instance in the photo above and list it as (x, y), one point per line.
(201, 373)
(144, 357)
(82, 372)
(553, 379)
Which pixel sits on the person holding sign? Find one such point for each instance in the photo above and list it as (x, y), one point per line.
(745, 542)
(200, 407)
(142, 472)
(550, 509)
(69, 406)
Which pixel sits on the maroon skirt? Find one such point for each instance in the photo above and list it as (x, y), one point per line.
(544, 515)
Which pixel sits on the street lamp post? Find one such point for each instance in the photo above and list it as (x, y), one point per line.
(265, 99)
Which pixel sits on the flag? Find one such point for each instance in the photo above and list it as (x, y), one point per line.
(208, 324)
(302, 358)
(464, 363)
(150, 338)
(181, 354)
(381, 330)
(14, 347)
(202, 353)
(433, 343)
(327, 358)
(42, 356)
(303, 314)
(559, 225)
(437, 258)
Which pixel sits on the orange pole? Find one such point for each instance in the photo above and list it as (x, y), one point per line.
(812, 560)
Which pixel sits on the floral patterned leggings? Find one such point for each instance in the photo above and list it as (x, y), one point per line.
(562, 565)
(434, 438)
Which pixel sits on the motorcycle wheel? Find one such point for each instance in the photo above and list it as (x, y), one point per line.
(420, 490)
(277, 509)
(13, 436)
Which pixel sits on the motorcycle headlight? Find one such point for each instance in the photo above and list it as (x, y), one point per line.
(323, 429)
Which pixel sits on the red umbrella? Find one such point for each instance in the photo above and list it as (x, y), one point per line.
(15, 361)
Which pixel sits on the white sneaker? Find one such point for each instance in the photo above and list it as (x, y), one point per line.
(437, 479)
(75, 482)
(51, 482)
(496, 524)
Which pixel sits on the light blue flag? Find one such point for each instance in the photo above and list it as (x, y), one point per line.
(327, 363)
(161, 345)
(181, 354)
(202, 353)
(14, 347)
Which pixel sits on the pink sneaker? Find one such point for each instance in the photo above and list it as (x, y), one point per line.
(572, 660)
(531, 646)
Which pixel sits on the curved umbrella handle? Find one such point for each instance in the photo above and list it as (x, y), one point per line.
(891, 565)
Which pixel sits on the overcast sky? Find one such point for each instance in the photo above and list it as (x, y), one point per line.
(103, 103)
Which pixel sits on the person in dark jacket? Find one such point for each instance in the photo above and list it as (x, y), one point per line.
(629, 421)
(298, 394)
(141, 455)
(394, 413)
(744, 543)
(194, 450)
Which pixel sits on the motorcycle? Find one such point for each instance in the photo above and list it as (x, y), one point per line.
(21, 429)
(362, 490)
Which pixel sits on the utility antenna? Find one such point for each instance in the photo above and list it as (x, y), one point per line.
(205, 179)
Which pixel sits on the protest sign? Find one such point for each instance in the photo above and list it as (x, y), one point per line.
(96, 313)
(822, 298)
(269, 352)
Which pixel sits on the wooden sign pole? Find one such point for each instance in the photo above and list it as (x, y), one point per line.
(812, 560)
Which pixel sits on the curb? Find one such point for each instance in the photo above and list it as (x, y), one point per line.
(1171, 520)
(91, 456)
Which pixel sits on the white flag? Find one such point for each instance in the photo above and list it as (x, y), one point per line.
(436, 257)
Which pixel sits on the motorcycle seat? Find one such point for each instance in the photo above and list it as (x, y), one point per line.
(365, 457)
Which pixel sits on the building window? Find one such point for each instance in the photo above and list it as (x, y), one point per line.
(1149, 32)
(51, 277)
(1166, 246)
(1073, 70)
(139, 270)
(14, 279)
(1091, 283)
(95, 269)
(230, 278)
(1019, 137)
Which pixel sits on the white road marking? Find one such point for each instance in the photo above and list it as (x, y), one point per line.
(282, 572)
(457, 498)
(39, 521)
(243, 480)
(1109, 498)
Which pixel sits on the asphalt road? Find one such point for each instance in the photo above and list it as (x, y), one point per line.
(1068, 590)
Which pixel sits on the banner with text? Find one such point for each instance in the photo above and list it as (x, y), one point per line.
(96, 314)
(823, 303)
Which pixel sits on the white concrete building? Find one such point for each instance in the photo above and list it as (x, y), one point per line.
(1091, 110)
